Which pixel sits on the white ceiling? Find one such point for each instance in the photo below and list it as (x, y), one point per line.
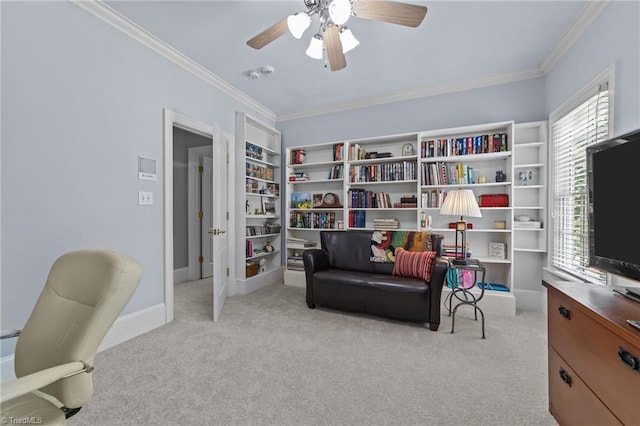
(459, 42)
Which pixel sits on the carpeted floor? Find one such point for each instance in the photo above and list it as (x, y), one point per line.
(272, 361)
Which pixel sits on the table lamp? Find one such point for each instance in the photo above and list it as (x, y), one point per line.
(461, 202)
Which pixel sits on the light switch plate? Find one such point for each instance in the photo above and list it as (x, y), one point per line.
(145, 198)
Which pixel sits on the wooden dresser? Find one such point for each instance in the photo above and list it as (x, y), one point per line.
(589, 383)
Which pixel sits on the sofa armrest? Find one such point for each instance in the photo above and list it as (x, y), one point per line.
(438, 274)
(314, 260)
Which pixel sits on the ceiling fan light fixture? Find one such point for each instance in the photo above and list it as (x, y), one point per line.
(339, 11)
(315, 47)
(348, 40)
(298, 24)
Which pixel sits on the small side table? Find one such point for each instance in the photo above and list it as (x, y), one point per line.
(463, 294)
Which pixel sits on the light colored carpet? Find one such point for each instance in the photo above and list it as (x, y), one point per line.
(272, 361)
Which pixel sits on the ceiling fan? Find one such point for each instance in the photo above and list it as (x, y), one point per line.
(333, 36)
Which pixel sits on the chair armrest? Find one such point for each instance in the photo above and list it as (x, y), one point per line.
(39, 379)
(314, 260)
(7, 334)
(438, 274)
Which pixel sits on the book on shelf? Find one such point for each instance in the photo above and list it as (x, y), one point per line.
(356, 152)
(300, 243)
(529, 224)
(295, 263)
(298, 176)
(386, 223)
(298, 156)
(405, 205)
(301, 200)
(338, 152)
(408, 198)
(362, 198)
(357, 219)
(478, 144)
(336, 172)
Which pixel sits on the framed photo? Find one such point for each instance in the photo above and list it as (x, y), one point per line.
(497, 250)
(317, 200)
(268, 206)
(273, 189)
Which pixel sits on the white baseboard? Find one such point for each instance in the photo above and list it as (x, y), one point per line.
(134, 324)
(531, 300)
(126, 327)
(181, 275)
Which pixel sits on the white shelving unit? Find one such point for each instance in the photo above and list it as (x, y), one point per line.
(525, 149)
(530, 200)
(481, 162)
(375, 185)
(530, 195)
(320, 172)
(258, 191)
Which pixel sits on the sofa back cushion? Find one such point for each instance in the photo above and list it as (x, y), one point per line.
(351, 251)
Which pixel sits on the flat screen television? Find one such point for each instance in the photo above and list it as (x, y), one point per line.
(613, 178)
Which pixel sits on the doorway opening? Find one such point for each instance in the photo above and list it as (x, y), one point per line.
(187, 240)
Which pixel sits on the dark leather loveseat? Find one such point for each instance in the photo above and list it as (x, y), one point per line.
(341, 276)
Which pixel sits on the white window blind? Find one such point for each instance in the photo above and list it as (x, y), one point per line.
(571, 134)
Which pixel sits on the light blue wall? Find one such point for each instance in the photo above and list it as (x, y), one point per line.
(614, 37)
(80, 102)
(520, 101)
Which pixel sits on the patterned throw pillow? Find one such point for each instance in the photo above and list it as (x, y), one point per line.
(385, 243)
(414, 264)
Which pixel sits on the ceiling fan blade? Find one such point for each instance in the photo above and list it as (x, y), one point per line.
(333, 46)
(390, 11)
(268, 35)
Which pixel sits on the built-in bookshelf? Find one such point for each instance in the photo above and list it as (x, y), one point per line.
(530, 209)
(477, 158)
(315, 201)
(398, 182)
(258, 191)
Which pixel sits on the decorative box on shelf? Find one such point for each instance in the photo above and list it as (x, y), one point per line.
(494, 200)
(529, 224)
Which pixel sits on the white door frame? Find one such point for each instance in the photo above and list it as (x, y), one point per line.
(171, 120)
(193, 185)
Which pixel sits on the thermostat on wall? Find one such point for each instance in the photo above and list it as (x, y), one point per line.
(146, 168)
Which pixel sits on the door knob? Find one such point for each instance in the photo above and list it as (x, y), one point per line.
(216, 231)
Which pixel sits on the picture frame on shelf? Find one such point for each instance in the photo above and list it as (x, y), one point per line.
(273, 189)
(497, 250)
(317, 200)
(268, 206)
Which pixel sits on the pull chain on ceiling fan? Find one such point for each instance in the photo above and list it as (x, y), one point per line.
(333, 36)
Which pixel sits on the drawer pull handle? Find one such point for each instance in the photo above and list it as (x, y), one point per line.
(565, 376)
(628, 358)
(564, 312)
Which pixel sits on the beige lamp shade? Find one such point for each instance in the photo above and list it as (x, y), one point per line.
(461, 202)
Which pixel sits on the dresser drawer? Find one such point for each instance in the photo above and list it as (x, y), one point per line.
(570, 401)
(591, 350)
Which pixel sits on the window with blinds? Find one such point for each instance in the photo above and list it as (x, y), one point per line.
(586, 124)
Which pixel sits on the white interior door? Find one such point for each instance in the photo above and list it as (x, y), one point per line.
(220, 226)
(207, 217)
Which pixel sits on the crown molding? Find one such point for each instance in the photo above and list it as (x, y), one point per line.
(99, 9)
(128, 27)
(581, 22)
(423, 92)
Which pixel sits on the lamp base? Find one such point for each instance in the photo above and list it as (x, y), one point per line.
(460, 261)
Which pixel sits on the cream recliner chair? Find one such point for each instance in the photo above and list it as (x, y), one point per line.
(85, 292)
